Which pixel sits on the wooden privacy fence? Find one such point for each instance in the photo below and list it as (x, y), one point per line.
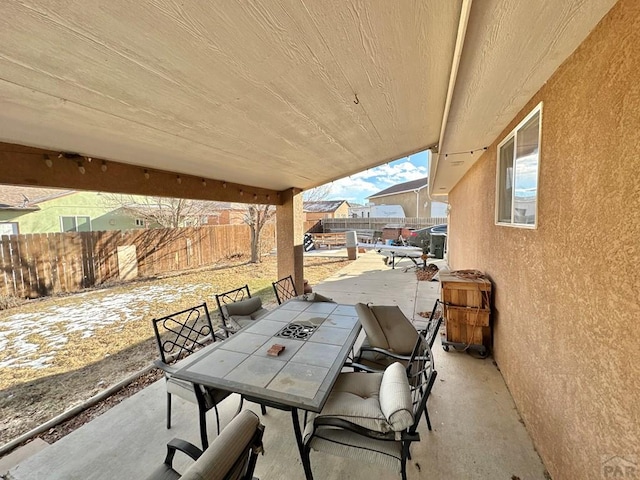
(36, 265)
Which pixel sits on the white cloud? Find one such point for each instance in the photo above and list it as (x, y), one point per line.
(360, 185)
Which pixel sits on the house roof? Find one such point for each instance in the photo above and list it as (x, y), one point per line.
(323, 206)
(27, 198)
(232, 97)
(410, 186)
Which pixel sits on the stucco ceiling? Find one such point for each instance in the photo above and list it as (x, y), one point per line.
(510, 50)
(281, 94)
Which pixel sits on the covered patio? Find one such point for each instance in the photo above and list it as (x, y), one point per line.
(477, 432)
(257, 102)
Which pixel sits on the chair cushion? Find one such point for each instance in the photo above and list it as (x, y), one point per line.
(244, 307)
(344, 443)
(375, 335)
(354, 398)
(241, 320)
(400, 332)
(259, 313)
(395, 397)
(387, 327)
(219, 460)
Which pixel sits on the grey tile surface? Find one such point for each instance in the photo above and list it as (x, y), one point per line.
(330, 335)
(295, 305)
(247, 342)
(265, 327)
(299, 379)
(217, 363)
(282, 315)
(256, 371)
(318, 354)
(314, 317)
(341, 321)
(321, 307)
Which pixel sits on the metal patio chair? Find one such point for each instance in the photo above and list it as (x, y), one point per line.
(231, 456)
(177, 336)
(390, 335)
(237, 308)
(285, 289)
(374, 417)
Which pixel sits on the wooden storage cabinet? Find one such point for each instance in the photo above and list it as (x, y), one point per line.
(467, 311)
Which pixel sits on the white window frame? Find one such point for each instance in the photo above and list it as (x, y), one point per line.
(509, 137)
(75, 217)
(139, 222)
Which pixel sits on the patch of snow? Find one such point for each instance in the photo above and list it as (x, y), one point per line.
(54, 324)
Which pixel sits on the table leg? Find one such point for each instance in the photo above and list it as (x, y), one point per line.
(298, 433)
(296, 429)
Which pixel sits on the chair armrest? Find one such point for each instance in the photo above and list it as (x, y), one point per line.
(396, 356)
(227, 331)
(185, 447)
(382, 351)
(358, 367)
(164, 367)
(333, 422)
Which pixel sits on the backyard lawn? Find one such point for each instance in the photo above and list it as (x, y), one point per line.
(57, 352)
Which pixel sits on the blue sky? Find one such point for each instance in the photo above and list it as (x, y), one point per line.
(357, 187)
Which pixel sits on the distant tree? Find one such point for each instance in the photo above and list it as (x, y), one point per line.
(257, 216)
(162, 211)
(317, 194)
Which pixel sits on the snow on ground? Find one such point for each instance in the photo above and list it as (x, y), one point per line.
(53, 325)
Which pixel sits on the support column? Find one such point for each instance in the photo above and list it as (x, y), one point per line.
(290, 233)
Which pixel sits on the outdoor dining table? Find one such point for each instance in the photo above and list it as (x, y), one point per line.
(317, 336)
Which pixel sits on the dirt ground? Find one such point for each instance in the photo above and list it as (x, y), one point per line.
(84, 361)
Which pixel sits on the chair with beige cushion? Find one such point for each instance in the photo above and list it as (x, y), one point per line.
(237, 309)
(373, 417)
(231, 456)
(390, 335)
(177, 336)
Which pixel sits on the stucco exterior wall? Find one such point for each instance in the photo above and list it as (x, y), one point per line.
(567, 295)
(408, 202)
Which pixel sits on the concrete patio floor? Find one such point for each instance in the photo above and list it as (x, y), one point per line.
(477, 432)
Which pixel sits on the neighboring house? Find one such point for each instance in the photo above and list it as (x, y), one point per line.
(314, 211)
(225, 213)
(412, 196)
(48, 210)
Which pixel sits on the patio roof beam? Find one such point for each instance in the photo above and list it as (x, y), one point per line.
(23, 165)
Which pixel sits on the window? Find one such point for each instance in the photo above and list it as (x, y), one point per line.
(8, 228)
(139, 222)
(75, 224)
(517, 173)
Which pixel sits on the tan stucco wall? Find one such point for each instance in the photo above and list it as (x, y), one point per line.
(567, 295)
(408, 202)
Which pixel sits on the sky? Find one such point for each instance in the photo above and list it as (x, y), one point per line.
(357, 187)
